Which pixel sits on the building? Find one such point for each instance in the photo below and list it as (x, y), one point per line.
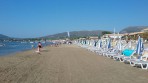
(145, 30)
(112, 36)
(143, 33)
(93, 37)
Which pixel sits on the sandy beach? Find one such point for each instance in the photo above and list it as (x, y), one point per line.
(67, 64)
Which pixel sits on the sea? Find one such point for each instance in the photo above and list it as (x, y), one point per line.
(7, 48)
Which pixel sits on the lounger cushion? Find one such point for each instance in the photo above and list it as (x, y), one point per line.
(127, 52)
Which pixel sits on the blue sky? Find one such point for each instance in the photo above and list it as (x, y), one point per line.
(35, 18)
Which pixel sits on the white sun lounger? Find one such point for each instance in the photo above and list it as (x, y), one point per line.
(142, 64)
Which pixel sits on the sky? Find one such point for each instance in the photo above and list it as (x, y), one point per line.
(36, 18)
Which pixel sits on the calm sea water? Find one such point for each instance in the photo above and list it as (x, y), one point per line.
(13, 47)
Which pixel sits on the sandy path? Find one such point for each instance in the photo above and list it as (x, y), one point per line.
(67, 64)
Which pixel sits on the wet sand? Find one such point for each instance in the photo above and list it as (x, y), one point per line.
(67, 64)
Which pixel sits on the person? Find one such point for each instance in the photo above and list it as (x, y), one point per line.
(39, 46)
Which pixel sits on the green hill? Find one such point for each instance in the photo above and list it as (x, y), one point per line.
(4, 37)
(133, 29)
(75, 34)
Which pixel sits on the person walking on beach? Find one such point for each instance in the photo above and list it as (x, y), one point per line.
(39, 46)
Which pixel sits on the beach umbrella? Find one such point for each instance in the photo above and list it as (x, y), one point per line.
(105, 42)
(88, 42)
(119, 45)
(85, 42)
(129, 44)
(140, 46)
(95, 43)
(68, 34)
(100, 43)
(109, 44)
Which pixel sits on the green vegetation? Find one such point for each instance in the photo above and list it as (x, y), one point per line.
(75, 34)
(133, 29)
(106, 32)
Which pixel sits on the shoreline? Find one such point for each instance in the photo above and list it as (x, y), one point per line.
(14, 47)
(18, 51)
(14, 53)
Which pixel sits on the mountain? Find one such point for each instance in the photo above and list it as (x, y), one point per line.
(133, 29)
(4, 37)
(75, 34)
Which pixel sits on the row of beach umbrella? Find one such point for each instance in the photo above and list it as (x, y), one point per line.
(107, 44)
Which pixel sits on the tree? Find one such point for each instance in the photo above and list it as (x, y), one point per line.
(145, 35)
(106, 32)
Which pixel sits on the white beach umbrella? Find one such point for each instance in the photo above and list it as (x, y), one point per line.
(109, 44)
(140, 46)
(129, 44)
(100, 43)
(119, 45)
(95, 43)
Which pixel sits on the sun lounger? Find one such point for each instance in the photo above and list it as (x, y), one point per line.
(143, 62)
(126, 54)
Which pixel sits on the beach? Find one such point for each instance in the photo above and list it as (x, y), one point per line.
(67, 64)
